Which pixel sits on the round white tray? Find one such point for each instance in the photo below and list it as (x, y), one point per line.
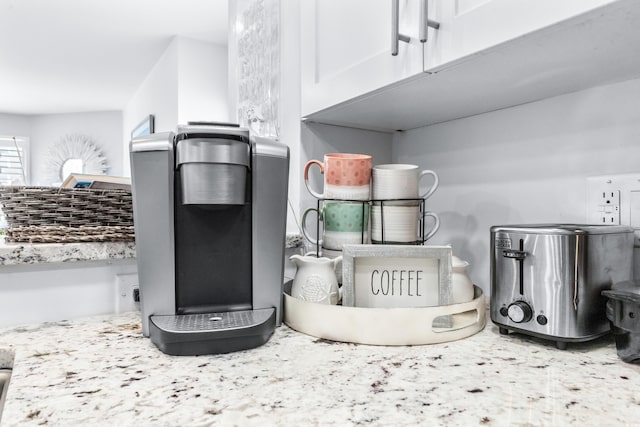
(384, 326)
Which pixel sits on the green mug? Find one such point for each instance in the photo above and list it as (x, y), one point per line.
(343, 223)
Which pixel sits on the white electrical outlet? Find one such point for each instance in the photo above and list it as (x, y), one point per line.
(614, 199)
(126, 290)
(608, 210)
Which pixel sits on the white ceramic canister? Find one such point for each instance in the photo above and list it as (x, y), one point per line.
(461, 284)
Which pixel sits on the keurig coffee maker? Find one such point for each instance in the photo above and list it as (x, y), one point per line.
(210, 208)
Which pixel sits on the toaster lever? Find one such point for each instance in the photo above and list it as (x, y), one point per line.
(515, 254)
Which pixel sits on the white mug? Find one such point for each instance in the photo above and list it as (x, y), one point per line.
(401, 181)
(400, 223)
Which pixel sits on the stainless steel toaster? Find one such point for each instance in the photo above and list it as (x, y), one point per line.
(546, 279)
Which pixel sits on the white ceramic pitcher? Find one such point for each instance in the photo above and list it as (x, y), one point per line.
(315, 279)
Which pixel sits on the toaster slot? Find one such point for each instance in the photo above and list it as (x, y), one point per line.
(519, 256)
(521, 266)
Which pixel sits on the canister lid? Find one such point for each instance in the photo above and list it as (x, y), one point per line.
(628, 291)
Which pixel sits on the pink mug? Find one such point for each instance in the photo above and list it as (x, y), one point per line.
(346, 176)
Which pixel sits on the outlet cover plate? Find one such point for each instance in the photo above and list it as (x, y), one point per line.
(124, 298)
(625, 184)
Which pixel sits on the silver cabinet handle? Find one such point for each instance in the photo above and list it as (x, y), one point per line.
(395, 28)
(425, 22)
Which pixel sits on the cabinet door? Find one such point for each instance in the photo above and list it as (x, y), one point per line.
(470, 26)
(346, 49)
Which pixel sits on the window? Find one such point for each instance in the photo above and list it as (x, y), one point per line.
(14, 160)
(14, 164)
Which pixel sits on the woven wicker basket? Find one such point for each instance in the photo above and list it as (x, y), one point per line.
(66, 215)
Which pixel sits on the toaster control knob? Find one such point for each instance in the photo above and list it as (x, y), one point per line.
(519, 312)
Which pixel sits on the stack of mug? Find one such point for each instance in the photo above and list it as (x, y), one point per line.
(398, 207)
(345, 209)
(351, 185)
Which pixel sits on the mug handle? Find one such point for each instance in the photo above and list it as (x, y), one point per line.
(304, 227)
(433, 188)
(436, 225)
(306, 176)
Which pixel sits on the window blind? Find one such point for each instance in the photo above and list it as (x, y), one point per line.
(13, 161)
(14, 165)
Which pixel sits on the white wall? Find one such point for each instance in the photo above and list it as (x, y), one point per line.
(202, 81)
(104, 128)
(525, 164)
(52, 292)
(189, 82)
(157, 95)
(15, 125)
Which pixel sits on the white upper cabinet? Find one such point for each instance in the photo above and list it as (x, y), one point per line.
(346, 48)
(471, 26)
(486, 55)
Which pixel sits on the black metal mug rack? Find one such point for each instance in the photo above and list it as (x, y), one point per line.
(319, 202)
(421, 228)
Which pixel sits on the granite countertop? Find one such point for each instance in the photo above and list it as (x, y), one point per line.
(36, 253)
(102, 371)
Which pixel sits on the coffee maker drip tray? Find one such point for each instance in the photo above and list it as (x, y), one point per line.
(211, 333)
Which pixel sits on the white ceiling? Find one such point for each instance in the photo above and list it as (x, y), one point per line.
(62, 56)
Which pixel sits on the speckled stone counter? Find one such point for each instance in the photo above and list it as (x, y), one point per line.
(35, 253)
(293, 240)
(102, 371)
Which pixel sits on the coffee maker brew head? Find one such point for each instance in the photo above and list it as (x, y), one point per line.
(213, 171)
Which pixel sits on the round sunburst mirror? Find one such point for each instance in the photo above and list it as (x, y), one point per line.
(75, 153)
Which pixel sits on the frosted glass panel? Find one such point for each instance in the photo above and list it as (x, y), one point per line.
(257, 26)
